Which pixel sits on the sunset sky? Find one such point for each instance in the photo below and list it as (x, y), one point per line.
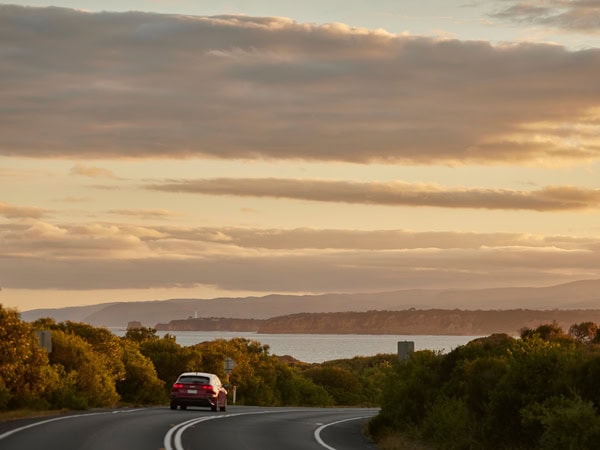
(167, 149)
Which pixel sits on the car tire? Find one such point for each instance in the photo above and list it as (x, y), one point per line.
(183, 406)
(173, 405)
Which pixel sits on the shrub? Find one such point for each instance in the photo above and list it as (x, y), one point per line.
(341, 384)
(84, 370)
(564, 422)
(447, 424)
(140, 383)
(21, 362)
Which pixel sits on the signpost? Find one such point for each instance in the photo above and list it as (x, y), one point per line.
(45, 339)
(229, 366)
(405, 348)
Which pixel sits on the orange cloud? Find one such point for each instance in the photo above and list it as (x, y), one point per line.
(552, 198)
(109, 256)
(16, 212)
(93, 172)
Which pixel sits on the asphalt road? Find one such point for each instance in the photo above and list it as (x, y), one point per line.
(240, 428)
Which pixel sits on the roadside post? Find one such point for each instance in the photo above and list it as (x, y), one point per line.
(405, 348)
(45, 339)
(229, 366)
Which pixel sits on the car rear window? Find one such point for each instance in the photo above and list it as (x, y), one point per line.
(194, 380)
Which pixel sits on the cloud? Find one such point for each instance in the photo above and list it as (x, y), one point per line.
(339, 239)
(93, 172)
(21, 212)
(74, 199)
(552, 198)
(573, 15)
(80, 85)
(109, 256)
(146, 213)
(330, 272)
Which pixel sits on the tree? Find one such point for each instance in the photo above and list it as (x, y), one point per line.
(103, 342)
(584, 331)
(88, 381)
(22, 362)
(296, 390)
(141, 334)
(566, 422)
(547, 332)
(140, 383)
(343, 385)
(169, 358)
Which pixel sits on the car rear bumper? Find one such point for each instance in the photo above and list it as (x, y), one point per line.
(194, 401)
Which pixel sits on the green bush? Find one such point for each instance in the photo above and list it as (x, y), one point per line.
(537, 392)
(86, 372)
(4, 395)
(343, 385)
(411, 389)
(447, 424)
(91, 367)
(564, 423)
(140, 383)
(297, 390)
(167, 356)
(22, 362)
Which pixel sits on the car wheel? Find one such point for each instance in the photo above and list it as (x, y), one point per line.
(183, 406)
(213, 407)
(173, 405)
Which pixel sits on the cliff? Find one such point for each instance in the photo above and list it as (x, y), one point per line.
(407, 322)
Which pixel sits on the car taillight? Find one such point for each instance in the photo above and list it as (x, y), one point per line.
(208, 387)
(177, 386)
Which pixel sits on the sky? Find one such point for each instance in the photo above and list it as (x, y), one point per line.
(196, 149)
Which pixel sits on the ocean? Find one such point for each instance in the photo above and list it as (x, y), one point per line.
(317, 348)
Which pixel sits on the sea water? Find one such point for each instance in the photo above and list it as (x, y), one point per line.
(317, 348)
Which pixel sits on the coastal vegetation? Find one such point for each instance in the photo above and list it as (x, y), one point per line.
(538, 390)
(91, 367)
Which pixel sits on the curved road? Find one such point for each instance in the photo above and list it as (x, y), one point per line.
(240, 428)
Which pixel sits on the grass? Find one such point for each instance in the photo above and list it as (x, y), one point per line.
(390, 440)
(394, 441)
(28, 413)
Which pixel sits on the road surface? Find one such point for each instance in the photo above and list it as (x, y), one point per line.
(240, 428)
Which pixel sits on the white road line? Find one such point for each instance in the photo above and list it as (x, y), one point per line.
(173, 438)
(31, 425)
(322, 427)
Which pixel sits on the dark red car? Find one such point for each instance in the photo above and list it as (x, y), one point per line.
(199, 389)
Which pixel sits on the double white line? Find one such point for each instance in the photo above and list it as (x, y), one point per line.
(173, 439)
(174, 434)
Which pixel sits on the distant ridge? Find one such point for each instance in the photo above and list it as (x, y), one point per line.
(426, 322)
(406, 322)
(583, 294)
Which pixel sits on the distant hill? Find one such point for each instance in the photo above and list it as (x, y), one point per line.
(575, 295)
(425, 322)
